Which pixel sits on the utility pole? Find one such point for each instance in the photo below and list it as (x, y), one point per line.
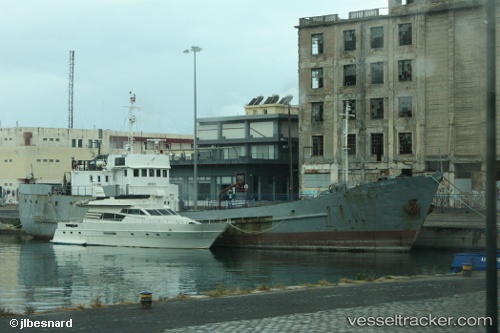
(70, 87)
(194, 50)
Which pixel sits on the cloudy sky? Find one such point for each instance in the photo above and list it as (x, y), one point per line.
(249, 49)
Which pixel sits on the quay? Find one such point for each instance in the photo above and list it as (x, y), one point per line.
(320, 309)
(454, 230)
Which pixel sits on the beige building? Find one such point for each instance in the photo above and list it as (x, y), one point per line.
(44, 155)
(414, 78)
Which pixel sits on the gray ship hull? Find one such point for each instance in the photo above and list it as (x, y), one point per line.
(40, 209)
(381, 216)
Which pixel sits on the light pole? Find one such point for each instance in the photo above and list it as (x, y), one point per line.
(290, 163)
(195, 49)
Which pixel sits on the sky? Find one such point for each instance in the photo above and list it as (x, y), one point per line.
(249, 48)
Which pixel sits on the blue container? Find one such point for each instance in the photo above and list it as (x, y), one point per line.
(476, 259)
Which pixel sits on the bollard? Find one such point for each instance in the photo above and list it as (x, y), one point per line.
(467, 270)
(146, 299)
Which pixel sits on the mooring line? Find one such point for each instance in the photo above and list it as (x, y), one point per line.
(262, 231)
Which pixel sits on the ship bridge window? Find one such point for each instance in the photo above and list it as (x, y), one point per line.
(164, 173)
(136, 172)
(120, 161)
(158, 173)
(151, 172)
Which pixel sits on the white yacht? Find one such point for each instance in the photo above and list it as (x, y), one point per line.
(136, 222)
(122, 174)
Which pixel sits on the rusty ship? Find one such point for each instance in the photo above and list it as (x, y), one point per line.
(380, 216)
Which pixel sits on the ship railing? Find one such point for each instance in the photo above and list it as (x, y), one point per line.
(239, 200)
(82, 190)
(463, 201)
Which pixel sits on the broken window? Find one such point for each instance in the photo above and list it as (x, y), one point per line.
(377, 147)
(352, 107)
(317, 44)
(404, 70)
(405, 144)
(350, 40)
(405, 106)
(351, 144)
(377, 37)
(317, 78)
(405, 34)
(317, 145)
(349, 75)
(377, 108)
(377, 72)
(317, 112)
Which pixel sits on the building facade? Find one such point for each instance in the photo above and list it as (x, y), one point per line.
(44, 155)
(252, 149)
(414, 80)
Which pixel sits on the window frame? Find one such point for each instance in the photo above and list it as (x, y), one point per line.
(373, 114)
(350, 75)
(377, 145)
(405, 34)
(317, 145)
(405, 70)
(379, 76)
(405, 143)
(349, 39)
(317, 111)
(317, 44)
(316, 78)
(351, 144)
(404, 100)
(374, 42)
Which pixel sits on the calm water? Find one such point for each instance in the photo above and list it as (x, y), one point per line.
(47, 276)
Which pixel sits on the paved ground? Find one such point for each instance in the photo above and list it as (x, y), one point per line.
(325, 309)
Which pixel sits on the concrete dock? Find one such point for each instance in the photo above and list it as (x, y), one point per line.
(454, 230)
(411, 304)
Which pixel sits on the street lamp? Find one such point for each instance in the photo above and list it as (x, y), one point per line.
(195, 49)
(290, 163)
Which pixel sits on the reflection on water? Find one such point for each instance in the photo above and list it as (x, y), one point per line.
(47, 276)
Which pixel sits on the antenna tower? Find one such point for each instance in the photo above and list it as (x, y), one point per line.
(70, 87)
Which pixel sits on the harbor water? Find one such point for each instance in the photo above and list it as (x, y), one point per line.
(42, 276)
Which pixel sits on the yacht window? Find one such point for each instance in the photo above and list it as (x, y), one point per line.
(164, 212)
(171, 211)
(151, 172)
(158, 173)
(132, 211)
(144, 172)
(153, 212)
(136, 172)
(164, 173)
(112, 217)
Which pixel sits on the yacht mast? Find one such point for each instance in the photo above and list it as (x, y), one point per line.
(131, 122)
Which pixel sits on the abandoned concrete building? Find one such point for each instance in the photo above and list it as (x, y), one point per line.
(414, 79)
